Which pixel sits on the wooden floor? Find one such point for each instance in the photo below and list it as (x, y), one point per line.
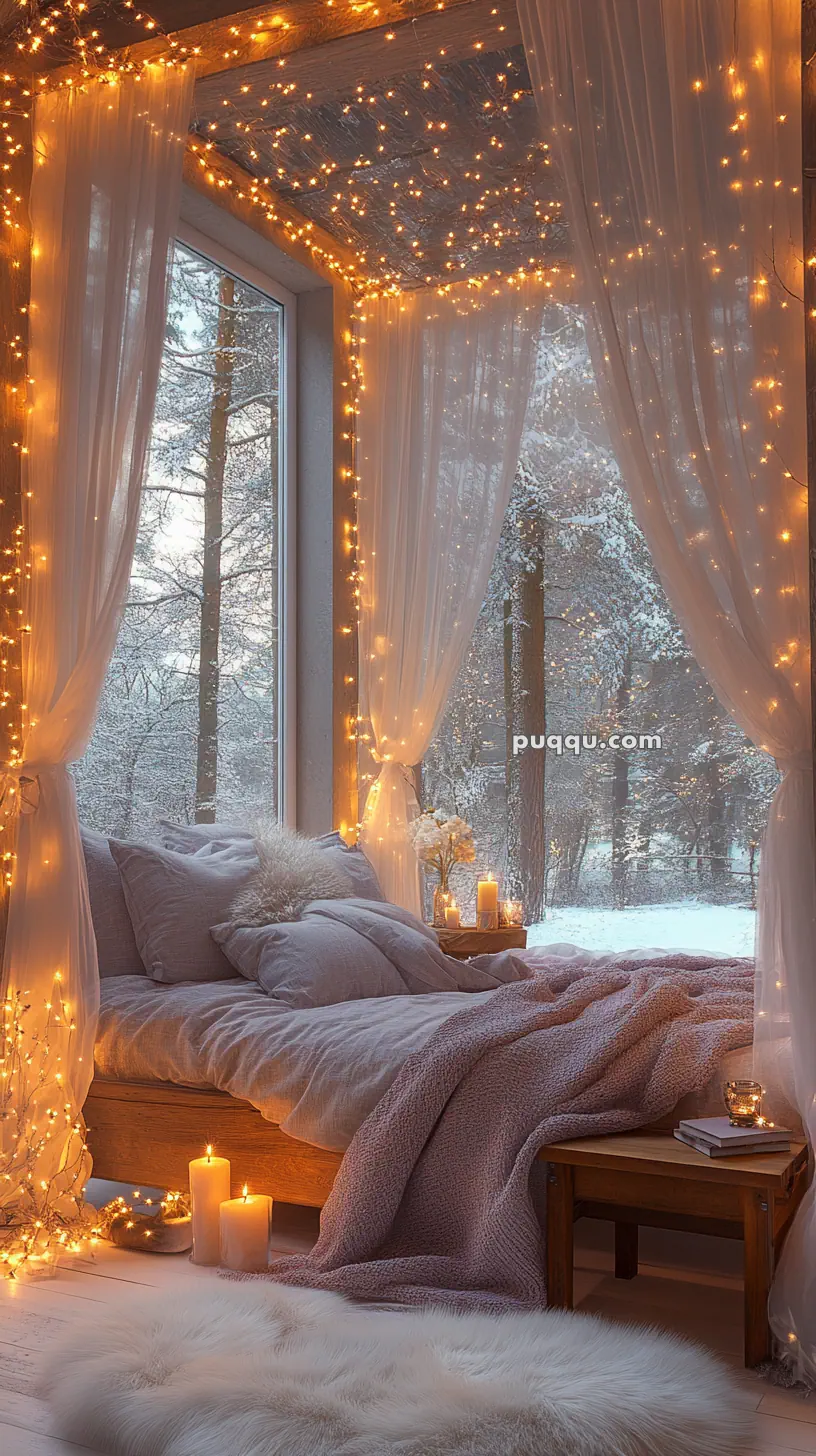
(688, 1284)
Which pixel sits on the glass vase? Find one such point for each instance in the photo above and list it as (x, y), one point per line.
(441, 900)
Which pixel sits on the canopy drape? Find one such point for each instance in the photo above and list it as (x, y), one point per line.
(446, 383)
(104, 209)
(675, 131)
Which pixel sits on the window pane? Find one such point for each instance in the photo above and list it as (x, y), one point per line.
(187, 726)
(607, 847)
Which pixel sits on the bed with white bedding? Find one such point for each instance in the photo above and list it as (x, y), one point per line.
(316, 1073)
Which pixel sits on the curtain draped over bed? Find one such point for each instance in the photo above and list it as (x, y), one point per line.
(104, 208)
(446, 383)
(675, 134)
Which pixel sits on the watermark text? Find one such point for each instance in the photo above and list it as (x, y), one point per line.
(576, 743)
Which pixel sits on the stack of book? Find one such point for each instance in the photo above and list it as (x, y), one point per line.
(715, 1137)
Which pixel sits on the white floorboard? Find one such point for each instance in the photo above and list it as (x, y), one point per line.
(688, 1284)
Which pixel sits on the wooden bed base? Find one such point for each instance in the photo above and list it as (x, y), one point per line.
(145, 1133)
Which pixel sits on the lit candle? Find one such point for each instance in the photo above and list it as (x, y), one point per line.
(487, 903)
(245, 1232)
(452, 920)
(209, 1186)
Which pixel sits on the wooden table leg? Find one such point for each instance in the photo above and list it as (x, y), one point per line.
(758, 1207)
(559, 1236)
(626, 1250)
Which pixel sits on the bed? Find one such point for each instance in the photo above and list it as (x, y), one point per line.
(279, 1092)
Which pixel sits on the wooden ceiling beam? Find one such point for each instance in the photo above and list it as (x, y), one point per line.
(336, 66)
(268, 34)
(264, 33)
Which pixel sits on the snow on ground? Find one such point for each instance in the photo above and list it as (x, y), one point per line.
(684, 925)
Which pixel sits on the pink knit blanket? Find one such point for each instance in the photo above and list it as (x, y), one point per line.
(433, 1202)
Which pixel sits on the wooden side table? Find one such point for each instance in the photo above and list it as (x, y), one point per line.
(470, 942)
(652, 1179)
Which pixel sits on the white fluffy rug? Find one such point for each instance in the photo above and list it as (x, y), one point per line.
(271, 1371)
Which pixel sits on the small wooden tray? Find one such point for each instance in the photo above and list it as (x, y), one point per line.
(468, 941)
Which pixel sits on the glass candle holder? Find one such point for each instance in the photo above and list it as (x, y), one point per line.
(511, 912)
(744, 1103)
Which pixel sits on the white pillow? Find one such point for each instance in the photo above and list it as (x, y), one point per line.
(172, 900)
(310, 962)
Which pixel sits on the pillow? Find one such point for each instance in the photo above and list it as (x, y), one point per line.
(348, 860)
(188, 838)
(354, 863)
(173, 899)
(311, 962)
(116, 948)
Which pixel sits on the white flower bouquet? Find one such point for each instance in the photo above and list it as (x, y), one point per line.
(440, 843)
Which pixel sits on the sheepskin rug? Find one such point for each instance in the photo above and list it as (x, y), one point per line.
(292, 870)
(269, 1371)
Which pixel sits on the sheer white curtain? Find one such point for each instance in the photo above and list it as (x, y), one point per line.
(674, 128)
(446, 383)
(104, 207)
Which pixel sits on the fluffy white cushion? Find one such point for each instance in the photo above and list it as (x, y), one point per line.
(291, 871)
(172, 900)
(312, 962)
(262, 1370)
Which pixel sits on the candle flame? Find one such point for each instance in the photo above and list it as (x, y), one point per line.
(209, 1152)
(246, 1192)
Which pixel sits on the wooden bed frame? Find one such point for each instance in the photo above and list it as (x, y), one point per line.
(145, 1133)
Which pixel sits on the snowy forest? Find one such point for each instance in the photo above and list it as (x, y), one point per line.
(187, 727)
(576, 636)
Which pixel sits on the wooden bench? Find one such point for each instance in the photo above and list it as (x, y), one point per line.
(654, 1180)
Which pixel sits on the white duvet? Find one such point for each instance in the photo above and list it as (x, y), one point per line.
(317, 1073)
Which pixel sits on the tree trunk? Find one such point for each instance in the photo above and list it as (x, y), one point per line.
(208, 671)
(620, 790)
(717, 827)
(530, 717)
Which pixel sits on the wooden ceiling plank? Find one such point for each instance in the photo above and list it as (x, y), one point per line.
(264, 210)
(336, 67)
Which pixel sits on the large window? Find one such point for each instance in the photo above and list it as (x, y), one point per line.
(189, 724)
(652, 835)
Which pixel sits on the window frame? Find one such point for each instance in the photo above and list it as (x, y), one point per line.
(215, 252)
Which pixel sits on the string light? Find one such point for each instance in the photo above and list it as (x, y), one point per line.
(40, 1218)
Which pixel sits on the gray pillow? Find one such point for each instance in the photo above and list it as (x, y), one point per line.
(173, 899)
(116, 948)
(310, 962)
(349, 860)
(189, 838)
(354, 863)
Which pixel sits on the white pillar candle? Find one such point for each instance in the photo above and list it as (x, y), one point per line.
(209, 1186)
(452, 921)
(245, 1232)
(487, 904)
